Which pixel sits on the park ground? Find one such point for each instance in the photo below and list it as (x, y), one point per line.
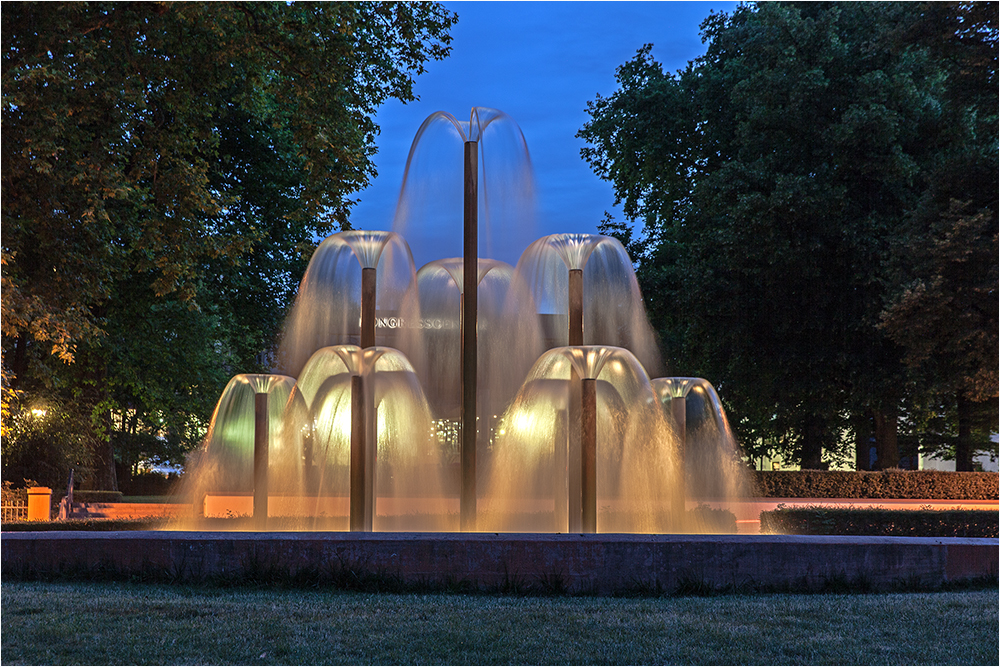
(117, 623)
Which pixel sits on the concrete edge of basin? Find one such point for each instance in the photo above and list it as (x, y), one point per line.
(604, 564)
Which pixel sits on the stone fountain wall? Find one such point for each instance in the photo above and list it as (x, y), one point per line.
(588, 564)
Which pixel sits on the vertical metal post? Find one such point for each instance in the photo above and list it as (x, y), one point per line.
(574, 471)
(678, 410)
(576, 307)
(470, 290)
(588, 446)
(260, 460)
(560, 492)
(575, 490)
(359, 457)
(368, 307)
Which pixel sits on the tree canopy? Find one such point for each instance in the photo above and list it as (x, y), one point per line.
(803, 188)
(167, 169)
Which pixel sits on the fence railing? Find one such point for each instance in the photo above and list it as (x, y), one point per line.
(14, 511)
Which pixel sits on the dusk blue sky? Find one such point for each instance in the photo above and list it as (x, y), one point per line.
(540, 62)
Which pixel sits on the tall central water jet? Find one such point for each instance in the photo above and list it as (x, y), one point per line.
(471, 134)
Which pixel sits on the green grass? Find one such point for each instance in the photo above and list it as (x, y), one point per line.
(135, 624)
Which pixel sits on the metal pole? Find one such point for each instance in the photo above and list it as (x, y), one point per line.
(368, 307)
(358, 456)
(575, 490)
(470, 289)
(588, 446)
(574, 473)
(678, 410)
(576, 307)
(560, 491)
(260, 461)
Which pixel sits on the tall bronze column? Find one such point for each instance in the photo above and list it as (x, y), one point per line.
(361, 492)
(574, 461)
(260, 460)
(678, 410)
(576, 307)
(588, 451)
(368, 307)
(470, 290)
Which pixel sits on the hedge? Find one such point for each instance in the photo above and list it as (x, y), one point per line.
(878, 521)
(898, 484)
(86, 524)
(95, 496)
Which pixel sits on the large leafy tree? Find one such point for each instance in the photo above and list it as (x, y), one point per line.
(946, 315)
(777, 178)
(165, 166)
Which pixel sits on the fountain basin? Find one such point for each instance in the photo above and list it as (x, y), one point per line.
(605, 564)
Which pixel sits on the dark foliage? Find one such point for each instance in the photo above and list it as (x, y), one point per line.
(902, 523)
(899, 484)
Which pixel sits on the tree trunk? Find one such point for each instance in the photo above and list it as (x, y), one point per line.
(862, 440)
(886, 443)
(812, 443)
(963, 445)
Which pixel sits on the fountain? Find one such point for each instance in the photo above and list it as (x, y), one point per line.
(242, 443)
(524, 404)
(351, 276)
(363, 427)
(583, 444)
(548, 423)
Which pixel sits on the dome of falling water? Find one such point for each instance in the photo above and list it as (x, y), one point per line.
(225, 461)
(509, 339)
(537, 453)
(429, 209)
(327, 308)
(713, 462)
(613, 311)
(408, 476)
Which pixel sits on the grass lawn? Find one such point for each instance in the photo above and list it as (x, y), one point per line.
(88, 623)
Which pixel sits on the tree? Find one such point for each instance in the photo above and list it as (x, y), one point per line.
(775, 177)
(163, 157)
(945, 317)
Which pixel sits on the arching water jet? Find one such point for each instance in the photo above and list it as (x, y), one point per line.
(616, 479)
(708, 452)
(235, 457)
(370, 436)
(350, 276)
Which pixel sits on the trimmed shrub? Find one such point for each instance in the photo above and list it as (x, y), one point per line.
(711, 520)
(87, 524)
(96, 496)
(878, 521)
(899, 484)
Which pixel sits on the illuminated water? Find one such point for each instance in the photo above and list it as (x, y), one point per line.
(529, 379)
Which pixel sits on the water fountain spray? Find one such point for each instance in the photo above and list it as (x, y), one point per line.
(585, 440)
